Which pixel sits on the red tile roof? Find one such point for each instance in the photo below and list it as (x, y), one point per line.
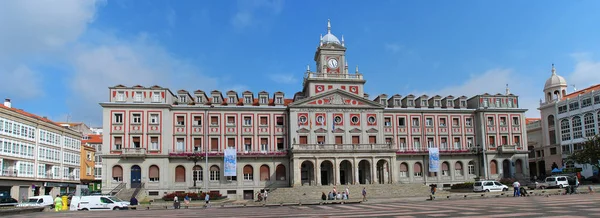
(30, 115)
(94, 139)
(583, 91)
(531, 120)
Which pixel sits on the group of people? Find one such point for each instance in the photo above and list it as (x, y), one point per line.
(344, 195)
(262, 196)
(519, 191)
(187, 200)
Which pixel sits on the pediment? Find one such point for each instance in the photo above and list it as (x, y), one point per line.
(338, 130)
(303, 130)
(355, 130)
(372, 130)
(336, 98)
(320, 130)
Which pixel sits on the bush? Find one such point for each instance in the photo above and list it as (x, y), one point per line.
(192, 195)
(466, 185)
(507, 181)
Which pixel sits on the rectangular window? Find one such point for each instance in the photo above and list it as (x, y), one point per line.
(517, 141)
(182, 98)
(417, 144)
(355, 139)
(121, 96)
(339, 140)
(231, 142)
(214, 121)
(215, 100)
(137, 118)
(214, 144)
(492, 141)
(180, 146)
(468, 122)
(136, 142)
(153, 118)
(118, 118)
(455, 122)
(199, 99)
(490, 121)
(230, 120)
(402, 143)
(303, 140)
(430, 143)
(443, 122)
(428, 122)
(387, 121)
(552, 151)
(410, 103)
(247, 100)
(247, 144)
(502, 121)
(372, 139)
(320, 139)
(197, 121)
(401, 121)
(471, 169)
(415, 122)
(118, 143)
(469, 142)
(156, 97)
(515, 121)
(264, 144)
(280, 146)
(263, 100)
(154, 143)
(180, 120)
(137, 96)
(444, 143)
(456, 143)
(278, 100)
(279, 121)
(247, 121)
(263, 121)
(197, 144)
(586, 102)
(231, 99)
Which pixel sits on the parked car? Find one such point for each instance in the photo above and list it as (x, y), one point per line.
(557, 181)
(98, 203)
(536, 185)
(35, 201)
(8, 202)
(489, 186)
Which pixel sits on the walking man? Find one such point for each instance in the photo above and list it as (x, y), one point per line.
(57, 203)
(364, 193)
(347, 192)
(265, 195)
(516, 186)
(207, 199)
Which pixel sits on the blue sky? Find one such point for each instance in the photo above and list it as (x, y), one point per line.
(57, 58)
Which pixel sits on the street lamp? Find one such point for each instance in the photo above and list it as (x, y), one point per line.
(195, 157)
(477, 150)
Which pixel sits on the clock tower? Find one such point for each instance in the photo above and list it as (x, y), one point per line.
(332, 68)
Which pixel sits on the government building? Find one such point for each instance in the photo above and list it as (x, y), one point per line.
(329, 133)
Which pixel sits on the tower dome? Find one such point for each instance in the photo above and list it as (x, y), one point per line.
(555, 80)
(330, 38)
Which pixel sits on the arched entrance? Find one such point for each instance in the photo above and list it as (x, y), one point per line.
(506, 169)
(307, 173)
(345, 172)
(382, 172)
(518, 168)
(364, 172)
(136, 176)
(326, 173)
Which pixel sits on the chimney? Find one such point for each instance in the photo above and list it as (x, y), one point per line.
(7, 103)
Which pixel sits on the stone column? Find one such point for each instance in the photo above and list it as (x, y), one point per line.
(336, 172)
(392, 168)
(373, 173)
(354, 172)
(297, 180)
(318, 172)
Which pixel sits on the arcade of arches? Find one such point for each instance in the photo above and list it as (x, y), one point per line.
(345, 171)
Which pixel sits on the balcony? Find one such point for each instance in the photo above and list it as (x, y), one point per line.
(343, 148)
(313, 75)
(9, 173)
(509, 149)
(447, 150)
(186, 154)
(133, 152)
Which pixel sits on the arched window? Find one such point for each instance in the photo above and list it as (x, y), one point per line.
(280, 172)
(179, 174)
(458, 171)
(519, 166)
(577, 127)
(117, 173)
(550, 120)
(153, 174)
(471, 168)
(215, 173)
(590, 125)
(197, 174)
(265, 174)
(418, 172)
(445, 169)
(403, 170)
(493, 167)
(248, 173)
(565, 130)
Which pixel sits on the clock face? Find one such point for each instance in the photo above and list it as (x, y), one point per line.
(332, 63)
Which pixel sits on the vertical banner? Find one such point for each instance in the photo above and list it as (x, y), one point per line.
(434, 160)
(230, 162)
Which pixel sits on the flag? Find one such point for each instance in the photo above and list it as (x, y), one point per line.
(333, 124)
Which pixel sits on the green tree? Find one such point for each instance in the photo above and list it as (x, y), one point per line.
(590, 154)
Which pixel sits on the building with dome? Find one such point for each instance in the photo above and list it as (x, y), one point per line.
(329, 133)
(567, 120)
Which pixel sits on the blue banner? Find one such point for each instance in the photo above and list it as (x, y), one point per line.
(230, 162)
(434, 159)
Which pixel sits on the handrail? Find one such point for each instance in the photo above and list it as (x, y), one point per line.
(137, 190)
(117, 189)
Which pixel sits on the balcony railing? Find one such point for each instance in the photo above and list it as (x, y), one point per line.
(426, 150)
(343, 147)
(333, 75)
(133, 152)
(10, 173)
(508, 148)
(179, 153)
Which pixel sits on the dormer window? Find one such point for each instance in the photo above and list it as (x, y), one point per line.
(278, 100)
(137, 96)
(263, 100)
(497, 102)
(248, 100)
(437, 103)
(156, 97)
(486, 103)
(120, 96)
(396, 102)
(423, 103)
(410, 103)
(382, 101)
(199, 99)
(231, 100)
(449, 103)
(215, 99)
(509, 103)
(182, 99)
(463, 103)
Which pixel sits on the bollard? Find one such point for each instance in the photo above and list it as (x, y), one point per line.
(448, 196)
(465, 196)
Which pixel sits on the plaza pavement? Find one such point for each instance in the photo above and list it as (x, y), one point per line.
(579, 205)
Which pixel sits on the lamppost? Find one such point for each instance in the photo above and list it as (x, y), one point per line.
(195, 157)
(477, 150)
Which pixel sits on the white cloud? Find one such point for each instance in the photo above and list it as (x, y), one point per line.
(494, 81)
(284, 78)
(585, 73)
(22, 82)
(247, 10)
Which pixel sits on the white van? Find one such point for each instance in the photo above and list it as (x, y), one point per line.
(489, 186)
(557, 181)
(98, 203)
(36, 201)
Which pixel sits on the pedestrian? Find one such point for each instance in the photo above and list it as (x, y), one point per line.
(433, 188)
(347, 192)
(516, 186)
(175, 202)
(344, 196)
(334, 193)
(323, 196)
(133, 202)
(186, 200)
(591, 189)
(58, 203)
(207, 199)
(523, 192)
(265, 195)
(330, 195)
(364, 194)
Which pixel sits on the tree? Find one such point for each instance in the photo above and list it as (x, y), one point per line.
(590, 154)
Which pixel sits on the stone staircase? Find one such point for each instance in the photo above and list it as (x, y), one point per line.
(126, 193)
(313, 193)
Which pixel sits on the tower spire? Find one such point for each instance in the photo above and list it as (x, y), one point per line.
(553, 69)
(356, 69)
(307, 68)
(342, 40)
(507, 90)
(328, 26)
(321, 40)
